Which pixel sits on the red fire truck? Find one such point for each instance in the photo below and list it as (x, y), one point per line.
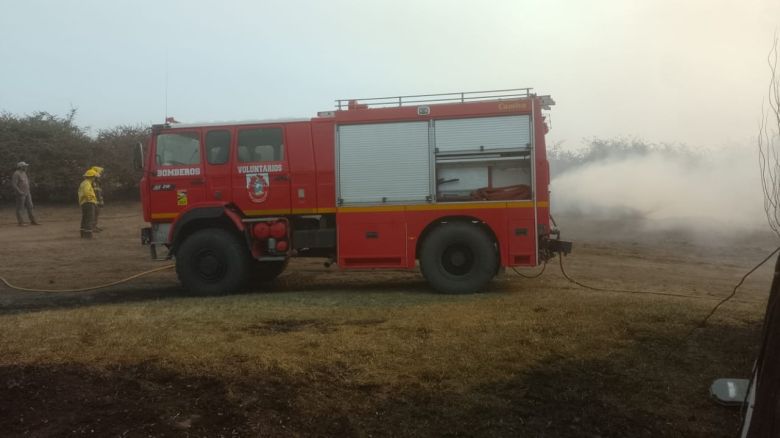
(457, 183)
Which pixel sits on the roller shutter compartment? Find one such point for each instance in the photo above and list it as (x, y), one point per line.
(383, 162)
(483, 134)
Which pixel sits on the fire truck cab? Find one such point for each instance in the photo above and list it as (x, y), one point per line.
(455, 183)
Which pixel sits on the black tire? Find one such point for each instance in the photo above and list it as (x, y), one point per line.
(264, 272)
(212, 261)
(458, 258)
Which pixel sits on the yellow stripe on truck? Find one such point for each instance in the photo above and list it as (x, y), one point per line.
(384, 208)
(164, 215)
(443, 206)
(283, 212)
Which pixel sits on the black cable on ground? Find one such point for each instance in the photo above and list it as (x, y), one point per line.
(531, 276)
(720, 303)
(703, 322)
(734, 292)
(625, 291)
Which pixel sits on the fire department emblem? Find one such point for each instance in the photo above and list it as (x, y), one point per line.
(257, 186)
(181, 198)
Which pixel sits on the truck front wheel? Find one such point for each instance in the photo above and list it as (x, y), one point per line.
(212, 261)
(458, 258)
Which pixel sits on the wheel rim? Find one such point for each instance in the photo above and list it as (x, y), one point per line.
(209, 266)
(457, 259)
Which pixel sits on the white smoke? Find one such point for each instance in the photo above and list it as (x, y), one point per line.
(667, 188)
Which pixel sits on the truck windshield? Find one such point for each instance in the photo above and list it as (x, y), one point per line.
(178, 149)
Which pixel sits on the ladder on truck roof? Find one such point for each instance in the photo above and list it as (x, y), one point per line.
(458, 97)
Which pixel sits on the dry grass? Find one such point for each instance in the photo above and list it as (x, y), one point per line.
(538, 357)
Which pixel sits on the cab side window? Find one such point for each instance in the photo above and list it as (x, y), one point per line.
(260, 144)
(178, 149)
(217, 146)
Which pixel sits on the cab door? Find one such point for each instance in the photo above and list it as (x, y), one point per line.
(217, 143)
(261, 182)
(177, 178)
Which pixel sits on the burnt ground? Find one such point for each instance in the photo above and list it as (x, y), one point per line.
(558, 397)
(326, 353)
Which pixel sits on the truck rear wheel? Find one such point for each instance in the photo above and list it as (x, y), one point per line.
(212, 261)
(458, 258)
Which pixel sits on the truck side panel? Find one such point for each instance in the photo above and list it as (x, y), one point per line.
(372, 239)
(323, 140)
(387, 236)
(303, 180)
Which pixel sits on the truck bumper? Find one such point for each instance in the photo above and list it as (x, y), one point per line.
(559, 246)
(548, 248)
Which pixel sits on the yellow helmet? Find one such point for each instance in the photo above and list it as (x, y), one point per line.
(98, 170)
(90, 173)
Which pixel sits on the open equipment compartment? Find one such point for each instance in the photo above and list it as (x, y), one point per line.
(483, 158)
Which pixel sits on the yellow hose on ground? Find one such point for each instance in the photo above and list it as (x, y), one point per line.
(47, 220)
(84, 289)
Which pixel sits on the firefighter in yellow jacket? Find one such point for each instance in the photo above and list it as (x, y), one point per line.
(99, 195)
(88, 202)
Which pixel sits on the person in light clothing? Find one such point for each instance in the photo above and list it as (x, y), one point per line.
(21, 185)
(88, 202)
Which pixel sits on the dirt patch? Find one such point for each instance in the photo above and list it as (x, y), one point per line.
(364, 322)
(559, 397)
(129, 401)
(276, 326)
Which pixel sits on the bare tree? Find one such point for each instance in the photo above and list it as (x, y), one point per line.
(763, 411)
(769, 143)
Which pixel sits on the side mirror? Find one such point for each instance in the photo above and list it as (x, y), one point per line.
(138, 156)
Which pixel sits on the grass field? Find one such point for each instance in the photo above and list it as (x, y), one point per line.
(328, 353)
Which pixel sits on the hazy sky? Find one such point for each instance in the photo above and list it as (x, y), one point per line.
(662, 70)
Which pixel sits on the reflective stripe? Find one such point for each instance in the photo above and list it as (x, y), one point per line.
(447, 206)
(164, 215)
(383, 208)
